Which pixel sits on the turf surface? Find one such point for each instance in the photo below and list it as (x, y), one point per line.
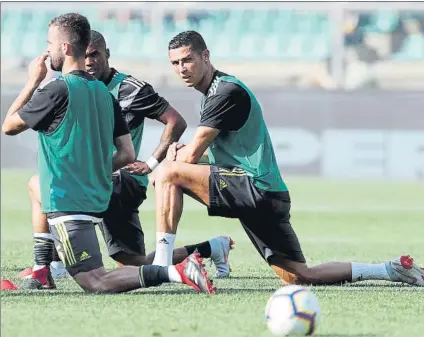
(361, 221)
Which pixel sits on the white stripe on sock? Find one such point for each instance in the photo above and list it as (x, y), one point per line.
(174, 275)
(43, 235)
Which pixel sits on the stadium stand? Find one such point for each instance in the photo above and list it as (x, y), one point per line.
(288, 38)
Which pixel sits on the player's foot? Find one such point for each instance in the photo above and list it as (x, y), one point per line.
(404, 269)
(220, 249)
(193, 273)
(40, 279)
(57, 273)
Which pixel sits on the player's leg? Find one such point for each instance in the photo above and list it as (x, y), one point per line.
(401, 269)
(277, 242)
(124, 237)
(79, 248)
(285, 277)
(44, 251)
(121, 227)
(43, 241)
(217, 249)
(281, 248)
(171, 179)
(122, 231)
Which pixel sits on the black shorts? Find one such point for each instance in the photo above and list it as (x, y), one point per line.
(265, 215)
(121, 227)
(76, 242)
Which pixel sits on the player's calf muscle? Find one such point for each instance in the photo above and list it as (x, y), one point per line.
(100, 281)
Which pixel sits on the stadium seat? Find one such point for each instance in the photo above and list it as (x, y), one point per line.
(247, 47)
(412, 49)
(229, 34)
(382, 22)
(270, 46)
(223, 48)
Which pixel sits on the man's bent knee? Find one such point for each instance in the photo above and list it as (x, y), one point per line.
(291, 272)
(166, 171)
(286, 277)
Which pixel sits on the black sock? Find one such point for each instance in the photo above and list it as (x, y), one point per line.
(203, 248)
(55, 256)
(43, 251)
(151, 276)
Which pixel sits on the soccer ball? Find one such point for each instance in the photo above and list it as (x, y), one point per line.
(292, 311)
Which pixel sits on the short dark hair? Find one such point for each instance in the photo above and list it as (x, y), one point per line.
(97, 39)
(189, 38)
(77, 30)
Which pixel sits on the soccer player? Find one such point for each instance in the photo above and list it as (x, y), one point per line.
(121, 226)
(243, 180)
(78, 123)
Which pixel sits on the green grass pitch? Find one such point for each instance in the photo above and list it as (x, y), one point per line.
(335, 220)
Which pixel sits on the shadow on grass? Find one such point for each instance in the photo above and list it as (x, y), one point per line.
(40, 293)
(251, 278)
(159, 292)
(354, 335)
(367, 287)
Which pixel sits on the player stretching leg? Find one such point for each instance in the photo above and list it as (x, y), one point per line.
(83, 138)
(121, 227)
(243, 180)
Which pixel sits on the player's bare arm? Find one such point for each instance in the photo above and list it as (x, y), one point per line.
(175, 126)
(125, 153)
(13, 124)
(195, 149)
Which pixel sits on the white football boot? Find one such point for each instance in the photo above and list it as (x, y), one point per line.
(403, 269)
(220, 249)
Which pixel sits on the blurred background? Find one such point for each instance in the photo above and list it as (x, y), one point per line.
(341, 83)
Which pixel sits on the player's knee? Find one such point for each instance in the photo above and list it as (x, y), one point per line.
(166, 171)
(293, 273)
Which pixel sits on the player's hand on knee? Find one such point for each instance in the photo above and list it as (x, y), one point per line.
(139, 168)
(172, 151)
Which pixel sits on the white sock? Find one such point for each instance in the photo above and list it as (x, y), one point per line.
(43, 235)
(368, 271)
(57, 265)
(164, 249)
(174, 275)
(37, 267)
